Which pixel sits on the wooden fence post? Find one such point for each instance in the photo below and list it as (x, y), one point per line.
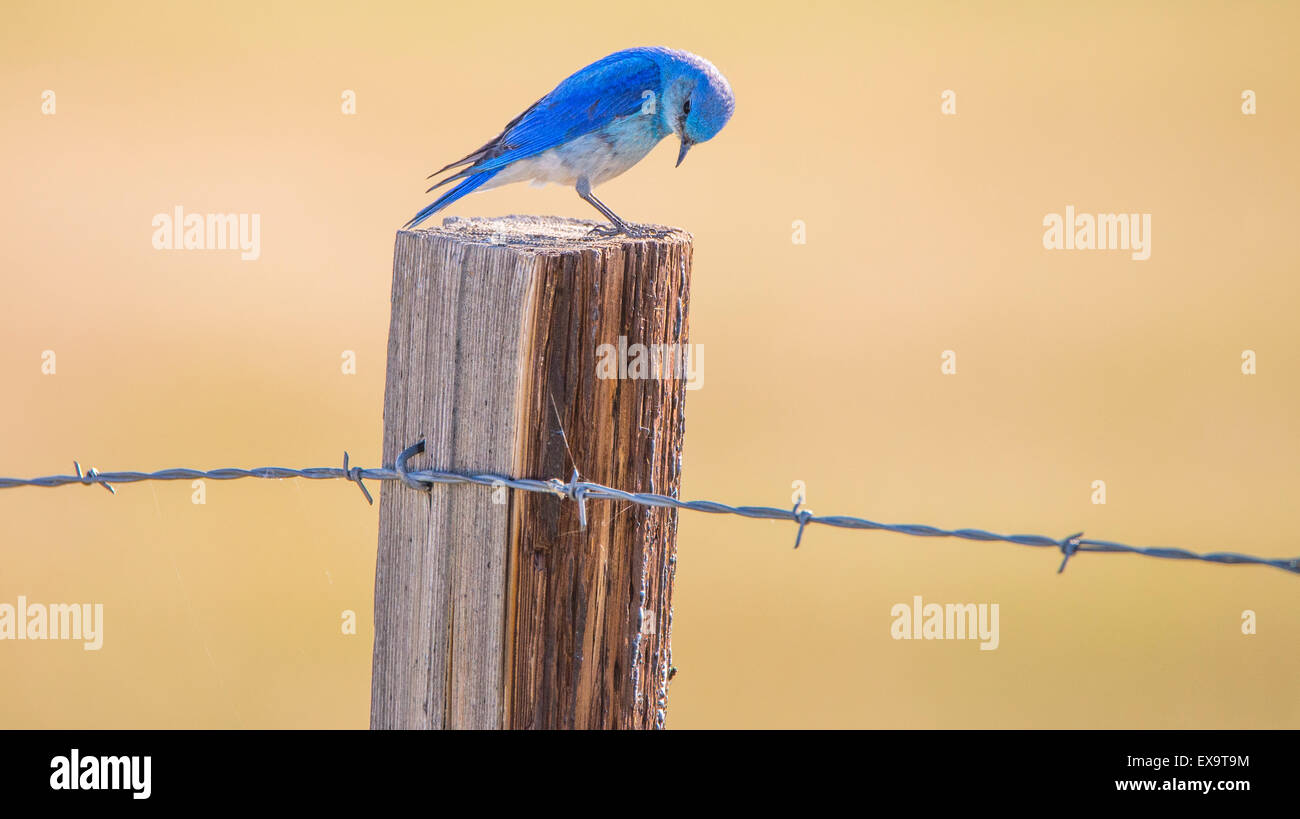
(493, 608)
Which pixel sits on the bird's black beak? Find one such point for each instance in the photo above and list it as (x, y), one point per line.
(686, 146)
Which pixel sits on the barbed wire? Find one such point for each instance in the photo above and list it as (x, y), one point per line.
(580, 491)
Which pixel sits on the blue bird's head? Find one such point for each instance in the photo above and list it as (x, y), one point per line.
(697, 100)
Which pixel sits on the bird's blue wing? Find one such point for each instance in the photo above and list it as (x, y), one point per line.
(596, 96)
(603, 92)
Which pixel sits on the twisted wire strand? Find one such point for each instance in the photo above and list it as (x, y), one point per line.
(580, 491)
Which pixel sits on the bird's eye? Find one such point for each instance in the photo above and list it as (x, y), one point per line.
(686, 109)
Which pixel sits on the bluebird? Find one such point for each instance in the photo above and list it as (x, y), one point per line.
(596, 124)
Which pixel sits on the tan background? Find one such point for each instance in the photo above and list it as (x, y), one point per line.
(822, 360)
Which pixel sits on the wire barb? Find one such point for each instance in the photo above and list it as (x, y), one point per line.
(355, 475)
(574, 490)
(89, 477)
(802, 518)
(578, 490)
(1069, 546)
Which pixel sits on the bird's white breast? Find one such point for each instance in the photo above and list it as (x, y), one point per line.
(599, 156)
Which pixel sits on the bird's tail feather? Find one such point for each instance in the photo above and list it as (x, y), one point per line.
(469, 185)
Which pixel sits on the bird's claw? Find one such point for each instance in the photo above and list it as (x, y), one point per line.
(610, 231)
(626, 229)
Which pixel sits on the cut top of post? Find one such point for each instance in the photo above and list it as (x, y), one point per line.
(547, 233)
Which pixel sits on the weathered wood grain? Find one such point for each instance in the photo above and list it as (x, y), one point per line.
(509, 614)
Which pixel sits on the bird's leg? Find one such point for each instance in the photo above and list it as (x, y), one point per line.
(619, 226)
